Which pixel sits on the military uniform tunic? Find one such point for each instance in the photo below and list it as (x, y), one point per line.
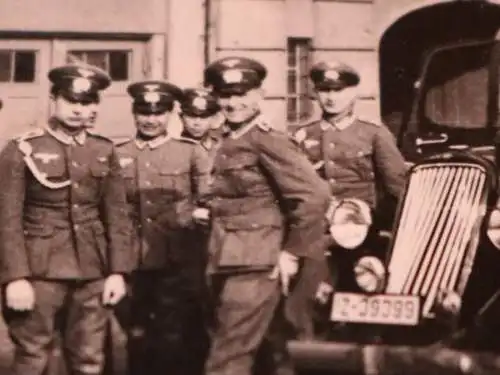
(354, 157)
(164, 180)
(62, 233)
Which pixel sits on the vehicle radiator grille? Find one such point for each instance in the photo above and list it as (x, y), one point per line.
(442, 208)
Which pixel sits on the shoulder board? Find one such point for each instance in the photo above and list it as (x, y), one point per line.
(121, 142)
(187, 140)
(264, 126)
(98, 135)
(33, 133)
(369, 121)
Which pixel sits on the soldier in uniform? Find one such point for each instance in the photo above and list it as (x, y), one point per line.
(266, 211)
(198, 110)
(165, 178)
(64, 231)
(358, 158)
(352, 154)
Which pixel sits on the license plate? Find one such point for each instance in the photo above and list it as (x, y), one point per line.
(380, 309)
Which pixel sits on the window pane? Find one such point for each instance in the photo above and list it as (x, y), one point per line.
(24, 70)
(5, 66)
(291, 51)
(292, 109)
(305, 107)
(118, 65)
(304, 85)
(292, 82)
(98, 58)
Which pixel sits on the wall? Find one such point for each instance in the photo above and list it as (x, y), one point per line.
(106, 16)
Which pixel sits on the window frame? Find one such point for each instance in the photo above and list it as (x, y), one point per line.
(302, 86)
(136, 58)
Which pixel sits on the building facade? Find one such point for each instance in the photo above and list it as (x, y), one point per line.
(175, 39)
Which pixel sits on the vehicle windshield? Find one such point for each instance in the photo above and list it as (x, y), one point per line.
(457, 87)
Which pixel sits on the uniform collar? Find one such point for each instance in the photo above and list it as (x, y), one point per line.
(339, 124)
(55, 131)
(257, 120)
(153, 143)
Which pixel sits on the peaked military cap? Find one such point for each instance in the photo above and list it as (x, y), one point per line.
(153, 96)
(234, 75)
(333, 75)
(198, 103)
(79, 81)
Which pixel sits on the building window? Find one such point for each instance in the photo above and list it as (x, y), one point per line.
(17, 66)
(299, 104)
(115, 63)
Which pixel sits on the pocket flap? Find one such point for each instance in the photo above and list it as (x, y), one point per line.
(99, 170)
(173, 172)
(38, 230)
(358, 153)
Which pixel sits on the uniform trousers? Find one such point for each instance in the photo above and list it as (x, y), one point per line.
(244, 307)
(167, 331)
(73, 306)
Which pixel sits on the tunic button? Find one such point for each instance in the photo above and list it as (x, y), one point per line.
(75, 164)
(332, 145)
(148, 183)
(76, 205)
(331, 163)
(76, 227)
(149, 202)
(254, 225)
(332, 180)
(76, 185)
(149, 220)
(148, 164)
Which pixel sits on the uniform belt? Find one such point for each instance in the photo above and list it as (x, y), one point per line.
(62, 218)
(222, 206)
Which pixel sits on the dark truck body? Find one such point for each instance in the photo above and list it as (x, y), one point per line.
(438, 244)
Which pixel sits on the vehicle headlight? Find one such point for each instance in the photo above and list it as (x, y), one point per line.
(493, 229)
(349, 220)
(370, 274)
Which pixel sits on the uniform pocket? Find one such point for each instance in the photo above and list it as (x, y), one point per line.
(178, 182)
(39, 244)
(361, 161)
(99, 170)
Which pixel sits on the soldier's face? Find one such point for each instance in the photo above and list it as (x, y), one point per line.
(151, 125)
(75, 114)
(197, 126)
(238, 108)
(337, 101)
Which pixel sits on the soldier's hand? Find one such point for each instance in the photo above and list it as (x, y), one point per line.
(286, 269)
(20, 295)
(201, 216)
(114, 290)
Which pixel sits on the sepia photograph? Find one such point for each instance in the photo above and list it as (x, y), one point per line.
(249, 187)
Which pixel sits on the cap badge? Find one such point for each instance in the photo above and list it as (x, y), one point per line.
(332, 74)
(151, 97)
(85, 72)
(232, 76)
(81, 85)
(231, 63)
(200, 103)
(151, 87)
